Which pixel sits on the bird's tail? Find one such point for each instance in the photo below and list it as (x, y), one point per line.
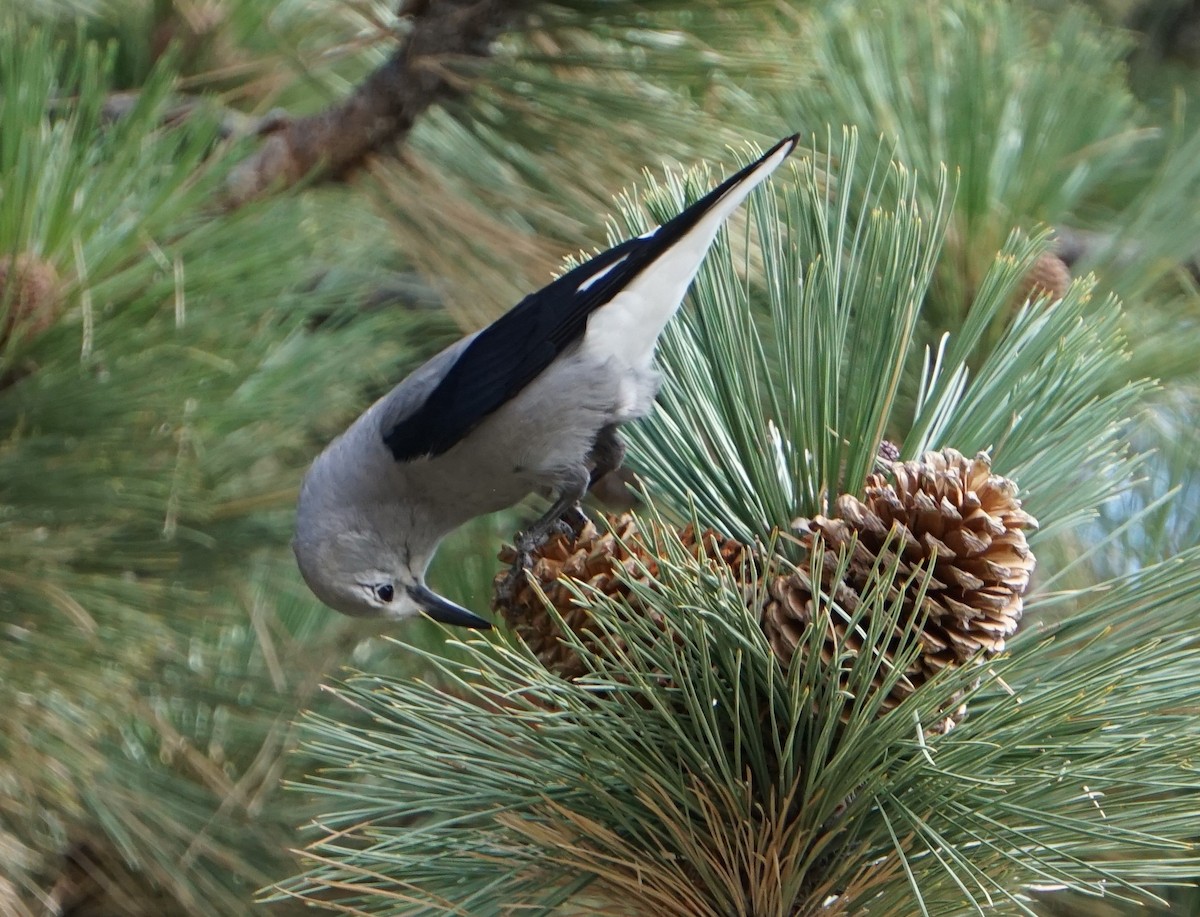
(632, 321)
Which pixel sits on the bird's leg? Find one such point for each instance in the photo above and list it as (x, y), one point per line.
(608, 452)
(564, 514)
(566, 517)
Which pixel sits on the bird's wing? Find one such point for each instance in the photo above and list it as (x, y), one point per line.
(511, 352)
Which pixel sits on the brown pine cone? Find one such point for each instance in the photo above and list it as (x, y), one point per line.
(30, 297)
(1049, 278)
(606, 562)
(946, 515)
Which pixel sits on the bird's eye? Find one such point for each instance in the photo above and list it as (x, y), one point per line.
(385, 593)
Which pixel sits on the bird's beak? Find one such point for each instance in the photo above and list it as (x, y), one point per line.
(444, 610)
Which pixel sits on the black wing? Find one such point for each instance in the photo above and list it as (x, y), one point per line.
(511, 352)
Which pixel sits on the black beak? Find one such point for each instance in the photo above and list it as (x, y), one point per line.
(444, 610)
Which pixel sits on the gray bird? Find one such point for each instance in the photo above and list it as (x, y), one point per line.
(530, 403)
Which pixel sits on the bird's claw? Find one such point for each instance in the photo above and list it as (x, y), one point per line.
(525, 544)
(506, 592)
(529, 542)
(569, 525)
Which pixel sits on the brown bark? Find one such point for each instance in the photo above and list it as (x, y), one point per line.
(385, 105)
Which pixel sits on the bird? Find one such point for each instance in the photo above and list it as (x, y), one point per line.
(531, 403)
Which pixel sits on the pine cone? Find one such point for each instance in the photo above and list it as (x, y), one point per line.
(1049, 277)
(29, 296)
(945, 514)
(605, 562)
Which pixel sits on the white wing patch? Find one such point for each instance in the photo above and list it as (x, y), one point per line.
(599, 275)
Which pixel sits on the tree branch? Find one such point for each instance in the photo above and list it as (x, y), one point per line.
(386, 105)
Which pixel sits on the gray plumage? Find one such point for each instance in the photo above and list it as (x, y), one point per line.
(530, 403)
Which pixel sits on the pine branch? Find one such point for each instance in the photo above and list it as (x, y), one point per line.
(160, 670)
(385, 106)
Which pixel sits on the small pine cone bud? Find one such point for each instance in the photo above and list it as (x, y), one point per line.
(30, 297)
(1048, 278)
(950, 517)
(606, 561)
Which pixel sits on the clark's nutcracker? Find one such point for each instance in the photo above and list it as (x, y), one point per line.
(531, 402)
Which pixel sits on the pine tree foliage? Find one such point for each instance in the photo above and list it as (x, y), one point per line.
(770, 451)
(156, 643)
(614, 84)
(151, 433)
(771, 443)
(1034, 116)
(692, 774)
(253, 54)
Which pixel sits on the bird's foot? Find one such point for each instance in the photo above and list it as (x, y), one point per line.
(568, 522)
(525, 544)
(505, 595)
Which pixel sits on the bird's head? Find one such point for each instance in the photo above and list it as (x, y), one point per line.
(354, 571)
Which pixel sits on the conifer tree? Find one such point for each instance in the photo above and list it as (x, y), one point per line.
(225, 226)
